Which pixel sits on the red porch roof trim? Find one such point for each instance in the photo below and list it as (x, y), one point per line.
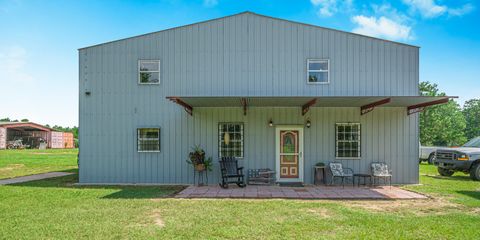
(243, 101)
(420, 107)
(187, 107)
(306, 106)
(26, 124)
(369, 107)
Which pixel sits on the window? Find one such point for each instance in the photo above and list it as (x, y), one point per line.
(230, 140)
(148, 140)
(318, 71)
(347, 142)
(149, 72)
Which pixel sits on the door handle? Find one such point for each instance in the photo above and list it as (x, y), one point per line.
(300, 153)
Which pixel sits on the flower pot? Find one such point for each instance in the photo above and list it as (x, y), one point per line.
(200, 167)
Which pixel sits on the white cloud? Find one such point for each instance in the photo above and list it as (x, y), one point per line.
(390, 12)
(13, 62)
(467, 8)
(382, 27)
(430, 9)
(210, 3)
(327, 8)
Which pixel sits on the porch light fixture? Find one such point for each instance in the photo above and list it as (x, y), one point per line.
(308, 123)
(226, 138)
(270, 124)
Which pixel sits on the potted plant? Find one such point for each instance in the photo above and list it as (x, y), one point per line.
(320, 164)
(197, 159)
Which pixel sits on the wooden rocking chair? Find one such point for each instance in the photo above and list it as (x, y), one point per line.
(231, 173)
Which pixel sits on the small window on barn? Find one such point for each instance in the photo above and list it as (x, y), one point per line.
(318, 71)
(347, 144)
(149, 72)
(148, 140)
(230, 140)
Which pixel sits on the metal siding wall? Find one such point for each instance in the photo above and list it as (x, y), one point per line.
(241, 55)
(3, 138)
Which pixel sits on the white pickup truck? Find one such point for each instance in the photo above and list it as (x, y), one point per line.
(428, 153)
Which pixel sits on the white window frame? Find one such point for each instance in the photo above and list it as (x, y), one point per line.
(359, 140)
(313, 60)
(242, 133)
(138, 140)
(140, 71)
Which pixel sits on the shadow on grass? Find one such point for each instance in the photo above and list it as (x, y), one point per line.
(456, 178)
(121, 192)
(472, 194)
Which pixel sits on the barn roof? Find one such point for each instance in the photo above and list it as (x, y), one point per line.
(25, 125)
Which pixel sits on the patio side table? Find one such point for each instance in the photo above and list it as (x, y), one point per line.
(317, 175)
(364, 177)
(200, 180)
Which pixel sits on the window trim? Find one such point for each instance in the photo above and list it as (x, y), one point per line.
(140, 71)
(318, 60)
(242, 134)
(359, 141)
(138, 139)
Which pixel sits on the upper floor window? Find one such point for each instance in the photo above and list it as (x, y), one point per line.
(148, 140)
(149, 72)
(230, 140)
(318, 71)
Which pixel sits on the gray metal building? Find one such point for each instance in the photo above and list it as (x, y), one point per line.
(286, 95)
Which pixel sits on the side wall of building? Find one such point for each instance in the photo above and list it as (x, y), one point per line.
(56, 140)
(388, 135)
(3, 138)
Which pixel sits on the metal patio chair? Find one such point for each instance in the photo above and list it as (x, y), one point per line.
(380, 170)
(231, 173)
(338, 171)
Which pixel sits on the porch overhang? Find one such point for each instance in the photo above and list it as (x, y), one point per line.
(366, 104)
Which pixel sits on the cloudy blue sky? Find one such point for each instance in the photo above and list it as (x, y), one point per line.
(39, 40)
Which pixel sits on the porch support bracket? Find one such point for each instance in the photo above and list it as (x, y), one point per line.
(420, 107)
(369, 107)
(244, 105)
(186, 106)
(306, 106)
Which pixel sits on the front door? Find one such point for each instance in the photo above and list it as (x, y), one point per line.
(289, 154)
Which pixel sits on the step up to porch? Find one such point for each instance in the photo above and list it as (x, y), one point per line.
(291, 184)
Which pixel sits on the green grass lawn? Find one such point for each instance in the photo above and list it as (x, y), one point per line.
(56, 209)
(14, 163)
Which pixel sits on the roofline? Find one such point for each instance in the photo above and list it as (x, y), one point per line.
(336, 30)
(246, 12)
(39, 126)
(168, 97)
(145, 34)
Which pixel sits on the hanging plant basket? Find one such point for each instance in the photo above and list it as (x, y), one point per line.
(197, 159)
(200, 167)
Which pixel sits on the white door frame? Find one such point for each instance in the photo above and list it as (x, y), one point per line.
(300, 152)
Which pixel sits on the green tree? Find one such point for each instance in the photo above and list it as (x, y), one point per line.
(24, 120)
(471, 111)
(441, 125)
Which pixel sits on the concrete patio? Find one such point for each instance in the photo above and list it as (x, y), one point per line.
(307, 192)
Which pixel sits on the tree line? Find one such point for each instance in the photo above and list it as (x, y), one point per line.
(448, 124)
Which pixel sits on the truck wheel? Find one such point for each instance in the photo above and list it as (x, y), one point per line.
(445, 172)
(475, 172)
(431, 158)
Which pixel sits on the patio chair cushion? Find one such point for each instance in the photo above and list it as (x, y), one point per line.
(337, 170)
(380, 170)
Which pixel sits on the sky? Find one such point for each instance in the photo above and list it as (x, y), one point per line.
(39, 40)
